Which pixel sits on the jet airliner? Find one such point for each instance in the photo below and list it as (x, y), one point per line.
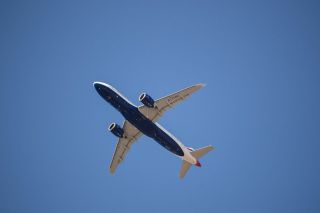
(143, 120)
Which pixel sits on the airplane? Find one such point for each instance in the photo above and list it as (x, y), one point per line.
(142, 120)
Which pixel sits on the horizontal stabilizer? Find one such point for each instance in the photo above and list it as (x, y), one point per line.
(197, 154)
(184, 168)
(201, 152)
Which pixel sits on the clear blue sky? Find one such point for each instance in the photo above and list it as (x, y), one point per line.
(260, 109)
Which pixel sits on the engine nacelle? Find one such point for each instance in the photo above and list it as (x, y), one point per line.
(116, 130)
(146, 100)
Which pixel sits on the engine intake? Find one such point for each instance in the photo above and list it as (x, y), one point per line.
(116, 130)
(146, 100)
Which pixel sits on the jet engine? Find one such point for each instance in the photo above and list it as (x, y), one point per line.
(146, 100)
(116, 130)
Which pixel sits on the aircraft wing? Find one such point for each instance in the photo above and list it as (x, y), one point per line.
(167, 102)
(131, 134)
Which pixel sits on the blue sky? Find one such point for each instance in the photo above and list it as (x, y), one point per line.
(260, 108)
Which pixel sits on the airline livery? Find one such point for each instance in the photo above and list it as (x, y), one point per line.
(143, 120)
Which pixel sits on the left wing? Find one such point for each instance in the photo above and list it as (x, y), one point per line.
(167, 102)
(131, 134)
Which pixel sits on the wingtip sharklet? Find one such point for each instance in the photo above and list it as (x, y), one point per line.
(201, 84)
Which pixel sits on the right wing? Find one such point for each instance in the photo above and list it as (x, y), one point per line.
(167, 102)
(131, 134)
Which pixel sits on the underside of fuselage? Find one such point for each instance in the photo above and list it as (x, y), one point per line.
(137, 119)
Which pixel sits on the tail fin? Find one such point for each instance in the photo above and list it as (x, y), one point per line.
(197, 154)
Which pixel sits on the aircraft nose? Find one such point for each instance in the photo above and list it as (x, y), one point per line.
(102, 89)
(97, 85)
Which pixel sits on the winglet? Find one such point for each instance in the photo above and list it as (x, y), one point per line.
(201, 84)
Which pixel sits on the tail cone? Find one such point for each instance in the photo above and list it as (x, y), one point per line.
(198, 164)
